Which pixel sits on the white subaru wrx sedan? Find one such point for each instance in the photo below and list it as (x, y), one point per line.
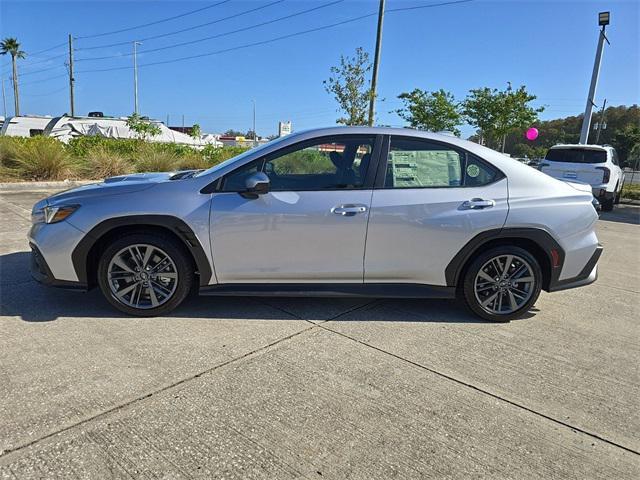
(356, 211)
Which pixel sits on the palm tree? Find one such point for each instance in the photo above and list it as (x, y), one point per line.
(10, 45)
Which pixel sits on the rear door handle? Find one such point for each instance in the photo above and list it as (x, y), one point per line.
(477, 204)
(348, 210)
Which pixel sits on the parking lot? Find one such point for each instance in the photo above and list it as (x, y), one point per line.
(319, 388)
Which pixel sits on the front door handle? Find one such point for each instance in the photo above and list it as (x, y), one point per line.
(477, 204)
(348, 210)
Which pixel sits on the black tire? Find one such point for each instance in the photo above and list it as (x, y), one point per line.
(184, 270)
(607, 204)
(469, 281)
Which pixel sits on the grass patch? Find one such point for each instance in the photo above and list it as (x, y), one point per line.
(631, 191)
(43, 158)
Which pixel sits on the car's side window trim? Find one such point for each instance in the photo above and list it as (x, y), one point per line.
(369, 178)
(384, 159)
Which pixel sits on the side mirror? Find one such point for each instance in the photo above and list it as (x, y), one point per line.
(255, 185)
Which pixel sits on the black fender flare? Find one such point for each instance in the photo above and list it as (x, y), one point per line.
(80, 254)
(540, 237)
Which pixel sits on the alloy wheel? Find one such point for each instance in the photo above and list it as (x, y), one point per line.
(504, 284)
(142, 276)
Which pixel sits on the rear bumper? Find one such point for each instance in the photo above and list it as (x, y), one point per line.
(601, 193)
(588, 275)
(41, 272)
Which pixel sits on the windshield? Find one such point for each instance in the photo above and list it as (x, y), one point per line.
(576, 155)
(229, 161)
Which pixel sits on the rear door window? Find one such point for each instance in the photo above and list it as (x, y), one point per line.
(417, 163)
(576, 155)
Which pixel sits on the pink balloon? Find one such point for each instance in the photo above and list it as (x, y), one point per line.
(532, 133)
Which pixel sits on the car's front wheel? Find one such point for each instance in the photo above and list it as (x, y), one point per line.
(502, 283)
(145, 275)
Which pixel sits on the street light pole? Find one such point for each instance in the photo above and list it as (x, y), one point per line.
(135, 75)
(601, 122)
(255, 136)
(71, 78)
(603, 21)
(376, 63)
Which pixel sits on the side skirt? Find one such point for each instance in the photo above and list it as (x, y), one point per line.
(369, 290)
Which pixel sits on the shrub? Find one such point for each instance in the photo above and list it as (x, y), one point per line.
(216, 155)
(102, 163)
(194, 160)
(631, 191)
(152, 159)
(8, 151)
(43, 158)
(81, 147)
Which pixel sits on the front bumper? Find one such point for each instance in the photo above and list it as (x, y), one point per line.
(41, 272)
(588, 275)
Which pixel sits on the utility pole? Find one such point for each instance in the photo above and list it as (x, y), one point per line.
(603, 21)
(601, 122)
(376, 63)
(4, 100)
(71, 79)
(135, 75)
(255, 137)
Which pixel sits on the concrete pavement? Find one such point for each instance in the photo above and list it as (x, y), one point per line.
(319, 388)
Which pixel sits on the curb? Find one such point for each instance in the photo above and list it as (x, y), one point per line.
(26, 186)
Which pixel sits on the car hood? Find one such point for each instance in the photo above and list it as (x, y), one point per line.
(110, 186)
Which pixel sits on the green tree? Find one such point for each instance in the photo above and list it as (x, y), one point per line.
(233, 133)
(11, 46)
(622, 131)
(196, 131)
(349, 85)
(143, 127)
(433, 111)
(624, 139)
(496, 113)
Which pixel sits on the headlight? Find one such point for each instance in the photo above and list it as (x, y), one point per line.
(58, 213)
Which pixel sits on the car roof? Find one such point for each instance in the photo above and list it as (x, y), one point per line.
(445, 137)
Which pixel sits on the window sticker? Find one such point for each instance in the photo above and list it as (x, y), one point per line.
(473, 170)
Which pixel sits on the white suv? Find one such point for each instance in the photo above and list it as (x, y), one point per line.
(595, 165)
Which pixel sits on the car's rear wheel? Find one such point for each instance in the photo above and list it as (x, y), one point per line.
(607, 204)
(502, 283)
(145, 275)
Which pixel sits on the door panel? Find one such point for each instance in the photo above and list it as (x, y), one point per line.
(414, 232)
(290, 237)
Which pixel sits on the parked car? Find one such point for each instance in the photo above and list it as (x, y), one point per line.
(358, 211)
(594, 165)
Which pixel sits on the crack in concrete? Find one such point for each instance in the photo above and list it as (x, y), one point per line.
(5, 455)
(485, 392)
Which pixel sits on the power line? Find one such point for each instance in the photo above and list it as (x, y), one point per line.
(128, 29)
(49, 49)
(161, 35)
(45, 94)
(22, 84)
(219, 35)
(26, 74)
(271, 40)
(431, 5)
(254, 44)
